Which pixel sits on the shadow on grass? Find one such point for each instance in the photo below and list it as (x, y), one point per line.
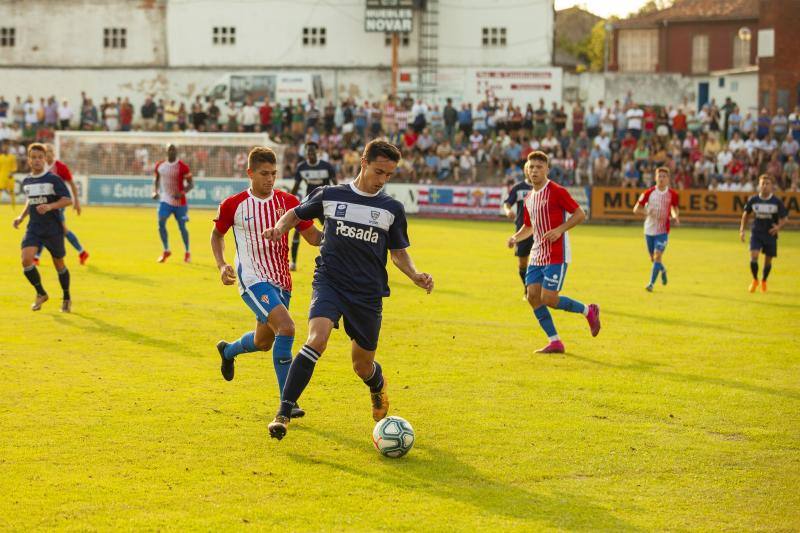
(694, 323)
(751, 300)
(98, 325)
(652, 368)
(118, 276)
(432, 470)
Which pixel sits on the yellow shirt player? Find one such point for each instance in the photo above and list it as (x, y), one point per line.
(8, 166)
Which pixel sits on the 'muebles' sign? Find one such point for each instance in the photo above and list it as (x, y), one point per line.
(389, 16)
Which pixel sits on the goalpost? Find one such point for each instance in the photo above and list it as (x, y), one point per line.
(117, 168)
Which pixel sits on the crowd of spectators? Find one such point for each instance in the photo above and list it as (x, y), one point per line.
(716, 147)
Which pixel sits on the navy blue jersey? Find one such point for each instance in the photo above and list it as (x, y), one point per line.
(516, 198)
(359, 231)
(767, 212)
(323, 173)
(44, 189)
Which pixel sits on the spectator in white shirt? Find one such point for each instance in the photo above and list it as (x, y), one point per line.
(65, 115)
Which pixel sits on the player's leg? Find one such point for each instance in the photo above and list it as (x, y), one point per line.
(755, 251)
(55, 245)
(295, 247)
(533, 282)
(553, 282)
(182, 217)
(523, 251)
(164, 211)
(73, 239)
(362, 323)
(770, 253)
(651, 248)
(29, 247)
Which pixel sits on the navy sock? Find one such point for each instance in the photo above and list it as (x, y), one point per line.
(375, 381)
(282, 358)
(570, 305)
(246, 344)
(767, 269)
(542, 314)
(754, 269)
(654, 273)
(162, 232)
(295, 245)
(300, 373)
(32, 273)
(63, 279)
(73, 240)
(522, 272)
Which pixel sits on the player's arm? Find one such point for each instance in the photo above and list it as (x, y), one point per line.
(284, 224)
(312, 235)
(783, 218)
(577, 217)
(509, 212)
(156, 183)
(402, 260)
(226, 271)
(745, 217)
(62, 202)
(641, 205)
(76, 203)
(21, 217)
(189, 182)
(675, 215)
(523, 233)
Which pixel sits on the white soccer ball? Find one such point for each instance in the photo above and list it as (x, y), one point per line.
(393, 436)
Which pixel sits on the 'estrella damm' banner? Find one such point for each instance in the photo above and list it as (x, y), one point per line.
(696, 205)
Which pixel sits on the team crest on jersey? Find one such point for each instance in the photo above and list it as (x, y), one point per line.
(375, 215)
(341, 210)
(265, 299)
(281, 211)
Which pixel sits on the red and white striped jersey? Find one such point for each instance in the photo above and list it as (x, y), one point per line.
(258, 260)
(547, 209)
(61, 170)
(171, 179)
(659, 204)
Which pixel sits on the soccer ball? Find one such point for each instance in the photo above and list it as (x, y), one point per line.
(393, 436)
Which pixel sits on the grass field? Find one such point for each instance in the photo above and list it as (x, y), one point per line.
(684, 413)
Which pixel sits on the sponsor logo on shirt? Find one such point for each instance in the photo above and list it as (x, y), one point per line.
(341, 210)
(366, 235)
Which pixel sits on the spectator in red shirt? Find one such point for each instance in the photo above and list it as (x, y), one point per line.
(125, 115)
(679, 124)
(410, 138)
(265, 113)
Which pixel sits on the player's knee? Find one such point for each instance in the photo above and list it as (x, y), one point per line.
(317, 343)
(534, 299)
(162, 222)
(550, 299)
(263, 345)
(286, 329)
(363, 368)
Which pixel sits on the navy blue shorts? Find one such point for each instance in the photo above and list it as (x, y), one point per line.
(523, 248)
(764, 243)
(362, 319)
(54, 243)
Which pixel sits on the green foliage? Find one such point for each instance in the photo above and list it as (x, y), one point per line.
(683, 414)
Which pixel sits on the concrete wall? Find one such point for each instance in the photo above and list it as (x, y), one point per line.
(69, 33)
(742, 89)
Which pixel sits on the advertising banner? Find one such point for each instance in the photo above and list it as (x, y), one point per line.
(473, 201)
(696, 205)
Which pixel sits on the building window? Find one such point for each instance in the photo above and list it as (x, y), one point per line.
(699, 54)
(741, 52)
(493, 37)
(405, 40)
(8, 37)
(223, 35)
(764, 99)
(782, 101)
(637, 50)
(314, 36)
(115, 38)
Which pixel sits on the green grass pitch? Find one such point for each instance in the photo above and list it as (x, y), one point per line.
(684, 413)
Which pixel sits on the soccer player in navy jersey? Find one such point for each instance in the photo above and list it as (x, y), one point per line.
(514, 208)
(46, 195)
(363, 225)
(770, 217)
(546, 208)
(262, 267)
(315, 173)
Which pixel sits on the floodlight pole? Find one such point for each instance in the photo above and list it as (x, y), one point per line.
(395, 62)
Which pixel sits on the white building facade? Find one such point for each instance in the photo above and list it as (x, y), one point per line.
(182, 48)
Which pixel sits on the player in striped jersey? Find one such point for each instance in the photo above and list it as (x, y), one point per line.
(658, 204)
(173, 181)
(262, 267)
(545, 218)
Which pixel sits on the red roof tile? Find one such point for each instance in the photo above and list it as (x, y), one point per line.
(695, 10)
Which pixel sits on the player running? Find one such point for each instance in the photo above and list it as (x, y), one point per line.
(545, 219)
(62, 171)
(362, 225)
(770, 217)
(173, 180)
(659, 204)
(514, 208)
(46, 194)
(316, 173)
(265, 283)
(8, 166)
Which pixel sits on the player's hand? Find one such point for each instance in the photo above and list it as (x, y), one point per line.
(741, 234)
(511, 215)
(77, 207)
(774, 230)
(42, 208)
(154, 195)
(512, 241)
(17, 222)
(677, 221)
(227, 274)
(423, 280)
(553, 235)
(271, 234)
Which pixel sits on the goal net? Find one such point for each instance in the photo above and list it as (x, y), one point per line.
(128, 154)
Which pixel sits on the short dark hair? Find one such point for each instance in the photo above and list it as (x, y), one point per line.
(260, 155)
(538, 155)
(37, 147)
(766, 177)
(312, 143)
(377, 148)
(663, 169)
